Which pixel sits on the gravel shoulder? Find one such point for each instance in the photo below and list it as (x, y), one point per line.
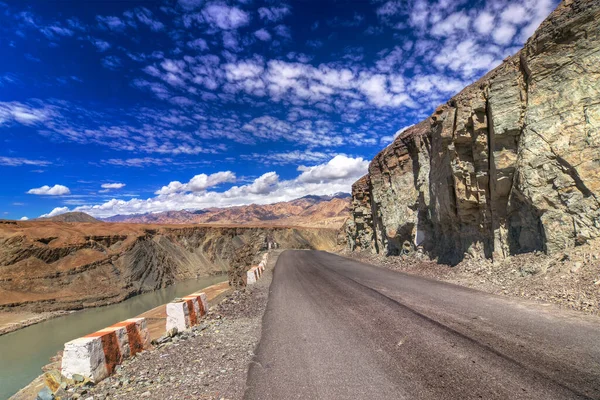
(208, 362)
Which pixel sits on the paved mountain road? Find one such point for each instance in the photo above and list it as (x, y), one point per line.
(339, 329)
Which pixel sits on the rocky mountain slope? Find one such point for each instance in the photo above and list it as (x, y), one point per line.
(315, 211)
(46, 266)
(509, 165)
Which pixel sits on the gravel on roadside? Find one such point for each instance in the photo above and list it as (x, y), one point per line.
(209, 361)
(570, 279)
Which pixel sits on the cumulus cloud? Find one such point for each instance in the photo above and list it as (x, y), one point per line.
(339, 167)
(198, 183)
(263, 34)
(56, 190)
(101, 45)
(198, 44)
(56, 211)
(24, 219)
(504, 34)
(484, 23)
(336, 175)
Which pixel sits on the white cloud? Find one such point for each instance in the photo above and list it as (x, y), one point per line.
(455, 22)
(55, 212)
(283, 31)
(273, 14)
(504, 34)
(111, 62)
(515, 14)
(389, 8)
(146, 17)
(339, 167)
(290, 157)
(225, 17)
(198, 183)
(263, 34)
(17, 162)
(484, 23)
(111, 22)
(100, 45)
(23, 113)
(264, 184)
(137, 162)
(112, 185)
(337, 175)
(24, 219)
(56, 190)
(198, 44)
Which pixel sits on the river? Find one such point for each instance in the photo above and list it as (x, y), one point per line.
(24, 352)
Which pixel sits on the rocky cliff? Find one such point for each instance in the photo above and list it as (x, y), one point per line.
(47, 266)
(509, 165)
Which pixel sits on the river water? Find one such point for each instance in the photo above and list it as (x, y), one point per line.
(24, 352)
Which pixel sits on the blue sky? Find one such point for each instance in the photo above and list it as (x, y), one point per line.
(126, 107)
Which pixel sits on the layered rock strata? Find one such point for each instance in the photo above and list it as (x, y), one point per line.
(509, 165)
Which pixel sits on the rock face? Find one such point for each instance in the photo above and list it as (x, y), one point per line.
(509, 165)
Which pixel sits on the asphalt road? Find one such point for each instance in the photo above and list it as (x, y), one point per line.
(339, 329)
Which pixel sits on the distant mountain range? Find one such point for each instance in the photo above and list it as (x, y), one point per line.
(318, 211)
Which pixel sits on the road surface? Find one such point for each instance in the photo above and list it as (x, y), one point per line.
(339, 329)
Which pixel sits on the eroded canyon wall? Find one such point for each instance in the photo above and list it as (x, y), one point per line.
(509, 165)
(46, 266)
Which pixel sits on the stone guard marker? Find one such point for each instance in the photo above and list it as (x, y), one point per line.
(96, 355)
(178, 316)
(185, 313)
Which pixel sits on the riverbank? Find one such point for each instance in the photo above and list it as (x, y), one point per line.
(209, 361)
(26, 351)
(13, 321)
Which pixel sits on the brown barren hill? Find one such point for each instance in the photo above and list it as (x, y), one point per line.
(71, 217)
(47, 265)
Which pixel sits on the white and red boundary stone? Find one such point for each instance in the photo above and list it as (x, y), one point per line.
(186, 312)
(255, 273)
(96, 355)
